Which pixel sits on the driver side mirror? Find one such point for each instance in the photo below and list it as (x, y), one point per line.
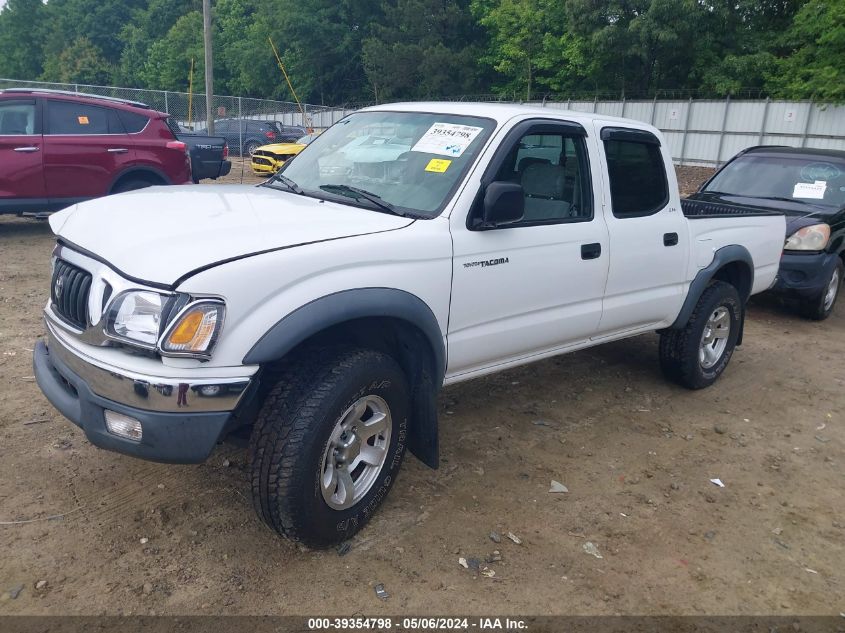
(504, 203)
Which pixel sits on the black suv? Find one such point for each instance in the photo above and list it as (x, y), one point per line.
(244, 136)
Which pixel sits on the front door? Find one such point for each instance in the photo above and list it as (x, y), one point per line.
(21, 153)
(536, 285)
(86, 148)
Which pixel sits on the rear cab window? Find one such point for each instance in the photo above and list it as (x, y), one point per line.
(637, 172)
(69, 118)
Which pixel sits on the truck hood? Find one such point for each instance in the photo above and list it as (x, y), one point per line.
(162, 234)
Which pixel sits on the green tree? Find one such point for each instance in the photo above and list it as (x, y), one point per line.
(169, 60)
(634, 46)
(21, 39)
(148, 24)
(423, 48)
(81, 62)
(739, 42)
(320, 42)
(815, 67)
(527, 41)
(98, 22)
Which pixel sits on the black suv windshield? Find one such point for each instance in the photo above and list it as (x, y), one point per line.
(818, 180)
(410, 161)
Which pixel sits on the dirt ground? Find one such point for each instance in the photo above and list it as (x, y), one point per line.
(636, 454)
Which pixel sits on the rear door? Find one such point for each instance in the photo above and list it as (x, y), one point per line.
(648, 231)
(534, 286)
(85, 149)
(21, 152)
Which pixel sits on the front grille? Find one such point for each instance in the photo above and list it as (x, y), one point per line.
(69, 290)
(261, 161)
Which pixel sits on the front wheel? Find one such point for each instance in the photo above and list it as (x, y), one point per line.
(820, 307)
(328, 443)
(696, 355)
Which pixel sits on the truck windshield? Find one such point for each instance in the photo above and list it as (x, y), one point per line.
(817, 180)
(410, 161)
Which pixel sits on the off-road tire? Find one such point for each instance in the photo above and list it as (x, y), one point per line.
(679, 349)
(815, 308)
(292, 431)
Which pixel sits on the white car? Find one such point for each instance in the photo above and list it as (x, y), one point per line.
(325, 315)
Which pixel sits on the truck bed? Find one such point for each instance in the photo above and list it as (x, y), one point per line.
(694, 209)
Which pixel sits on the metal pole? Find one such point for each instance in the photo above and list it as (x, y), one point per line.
(653, 107)
(240, 127)
(624, 103)
(209, 70)
(166, 107)
(810, 108)
(686, 130)
(722, 131)
(763, 124)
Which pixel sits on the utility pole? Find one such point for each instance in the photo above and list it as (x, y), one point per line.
(209, 70)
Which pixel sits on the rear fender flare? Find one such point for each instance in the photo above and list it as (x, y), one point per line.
(721, 258)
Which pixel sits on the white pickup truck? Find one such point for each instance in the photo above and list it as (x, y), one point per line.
(322, 311)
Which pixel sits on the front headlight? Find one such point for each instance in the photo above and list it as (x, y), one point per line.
(195, 329)
(810, 238)
(135, 317)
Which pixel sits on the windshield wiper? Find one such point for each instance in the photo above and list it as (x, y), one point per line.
(355, 192)
(287, 182)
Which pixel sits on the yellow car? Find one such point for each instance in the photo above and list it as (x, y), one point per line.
(268, 159)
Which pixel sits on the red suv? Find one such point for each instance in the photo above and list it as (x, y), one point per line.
(58, 148)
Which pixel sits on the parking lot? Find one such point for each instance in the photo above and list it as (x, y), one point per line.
(636, 454)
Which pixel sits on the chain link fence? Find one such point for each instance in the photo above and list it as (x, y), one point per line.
(232, 114)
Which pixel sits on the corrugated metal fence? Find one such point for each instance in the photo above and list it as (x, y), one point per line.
(709, 132)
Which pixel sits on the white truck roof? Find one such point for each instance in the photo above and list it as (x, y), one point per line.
(502, 112)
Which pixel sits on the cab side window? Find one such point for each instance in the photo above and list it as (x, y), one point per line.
(67, 117)
(552, 170)
(638, 185)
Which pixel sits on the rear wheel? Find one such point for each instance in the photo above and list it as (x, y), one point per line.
(131, 184)
(328, 443)
(696, 355)
(820, 307)
(250, 147)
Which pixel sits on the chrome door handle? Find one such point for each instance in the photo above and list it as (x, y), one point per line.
(27, 149)
(117, 150)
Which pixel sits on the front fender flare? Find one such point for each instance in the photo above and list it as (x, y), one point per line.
(348, 305)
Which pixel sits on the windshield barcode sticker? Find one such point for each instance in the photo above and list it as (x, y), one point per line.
(446, 139)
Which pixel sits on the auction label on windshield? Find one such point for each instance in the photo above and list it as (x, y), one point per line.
(438, 165)
(811, 190)
(446, 139)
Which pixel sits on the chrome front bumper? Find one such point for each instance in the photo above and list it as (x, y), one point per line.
(181, 420)
(150, 393)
